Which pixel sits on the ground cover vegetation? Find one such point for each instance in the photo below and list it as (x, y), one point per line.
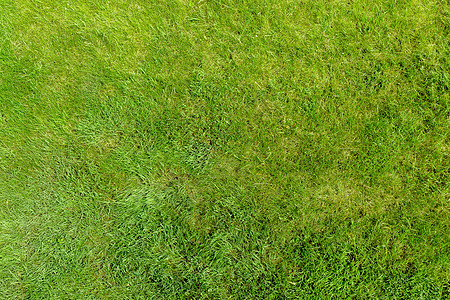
(220, 149)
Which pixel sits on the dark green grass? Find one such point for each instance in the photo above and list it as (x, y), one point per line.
(224, 149)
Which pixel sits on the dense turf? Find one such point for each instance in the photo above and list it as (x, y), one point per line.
(224, 149)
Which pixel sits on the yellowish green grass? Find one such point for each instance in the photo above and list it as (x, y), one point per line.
(224, 149)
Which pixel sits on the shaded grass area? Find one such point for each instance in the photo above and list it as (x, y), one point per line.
(224, 149)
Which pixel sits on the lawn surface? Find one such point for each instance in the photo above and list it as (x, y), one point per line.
(222, 149)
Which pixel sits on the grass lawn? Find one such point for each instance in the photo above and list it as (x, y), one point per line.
(219, 149)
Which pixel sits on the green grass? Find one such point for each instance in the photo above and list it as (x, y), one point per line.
(224, 149)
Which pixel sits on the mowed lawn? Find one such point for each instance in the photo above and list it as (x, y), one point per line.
(219, 149)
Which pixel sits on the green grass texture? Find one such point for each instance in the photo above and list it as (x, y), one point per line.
(219, 149)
